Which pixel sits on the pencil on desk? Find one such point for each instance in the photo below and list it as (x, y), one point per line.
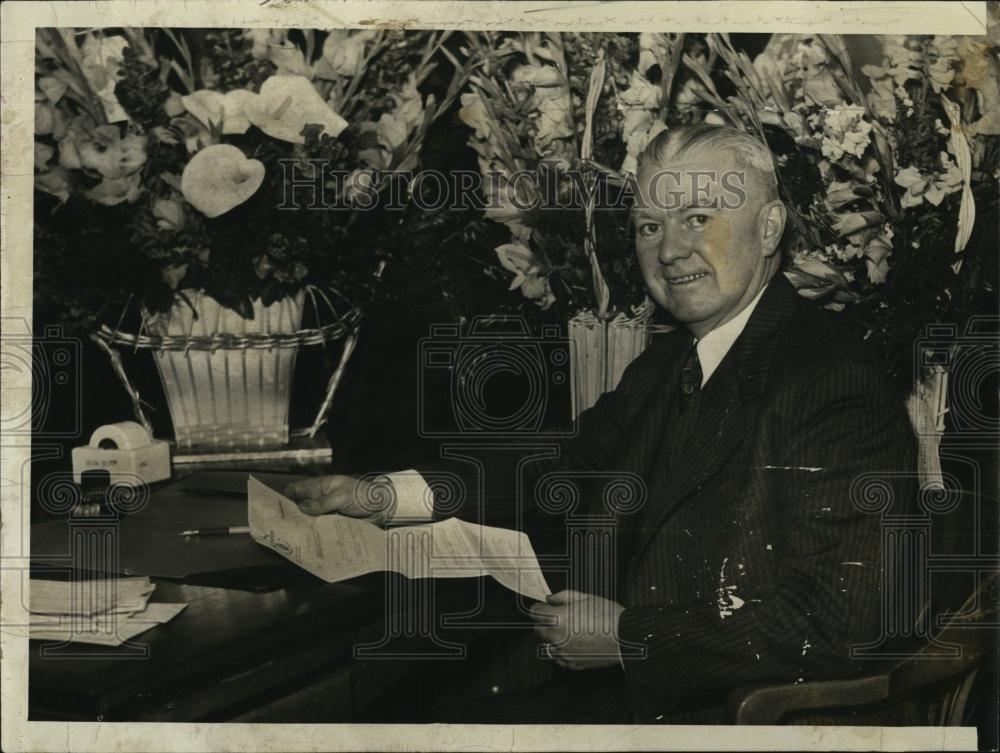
(216, 531)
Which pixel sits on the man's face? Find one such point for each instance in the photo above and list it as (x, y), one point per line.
(706, 237)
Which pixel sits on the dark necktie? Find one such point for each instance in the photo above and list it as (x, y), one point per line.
(690, 377)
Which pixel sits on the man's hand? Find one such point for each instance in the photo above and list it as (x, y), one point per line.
(580, 630)
(372, 499)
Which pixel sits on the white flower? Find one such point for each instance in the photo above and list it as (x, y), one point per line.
(473, 113)
(931, 187)
(818, 84)
(653, 49)
(839, 193)
(904, 63)
(845, 131)
(101, 64)
(942, 70)
(174, 105)
(882, 97)
(812, 276)
(103, 150)
(212, 107)
(219, 178)
(289, 60)
(637, 142)
(286, 104)
(845, 252)
(507, 200)
(343, 52)
(55, 181)
(552, 102)
(262, 40)
(360, 183)
(43, 153)
(111, 191)
(528, 274)
(169, 213)
(638, 103)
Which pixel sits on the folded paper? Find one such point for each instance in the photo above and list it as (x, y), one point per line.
(336, 548)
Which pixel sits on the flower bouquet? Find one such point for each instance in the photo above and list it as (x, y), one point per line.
(194, 190)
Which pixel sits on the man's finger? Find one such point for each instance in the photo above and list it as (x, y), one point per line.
(543, 612)
(315, 506)
(565, 597)
(548, 634)
(307, 488)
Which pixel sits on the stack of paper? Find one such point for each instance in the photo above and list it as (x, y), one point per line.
(106, 612)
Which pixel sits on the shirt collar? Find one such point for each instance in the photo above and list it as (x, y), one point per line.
(714, 346)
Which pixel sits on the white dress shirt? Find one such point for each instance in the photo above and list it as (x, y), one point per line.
(414, 499)
(714, 346)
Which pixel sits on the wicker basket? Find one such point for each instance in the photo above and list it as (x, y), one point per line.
(602, 349)
(228, 379)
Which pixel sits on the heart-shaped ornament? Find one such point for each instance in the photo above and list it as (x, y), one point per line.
(219, 178)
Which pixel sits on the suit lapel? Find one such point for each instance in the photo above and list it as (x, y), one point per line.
(649, 414)
(646, 427)
(739, 380)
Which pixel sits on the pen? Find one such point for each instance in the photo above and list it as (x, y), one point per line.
(196, 492)
(216, 531)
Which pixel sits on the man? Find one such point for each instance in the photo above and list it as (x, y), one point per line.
(748, 561)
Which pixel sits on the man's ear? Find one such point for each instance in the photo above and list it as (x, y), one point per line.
(772, 226)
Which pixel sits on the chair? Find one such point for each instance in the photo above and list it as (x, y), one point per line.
(947, 682)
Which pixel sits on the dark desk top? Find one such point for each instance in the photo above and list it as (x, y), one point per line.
(221, 634)
(145, 534)
(230, 646)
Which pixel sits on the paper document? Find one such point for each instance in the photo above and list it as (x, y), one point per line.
(102, 612)
(335, 548)
(88, 596)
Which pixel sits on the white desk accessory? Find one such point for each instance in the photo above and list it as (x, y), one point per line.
(125, 450)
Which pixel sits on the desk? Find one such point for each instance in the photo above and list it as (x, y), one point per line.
(283, 655)
(227, 649)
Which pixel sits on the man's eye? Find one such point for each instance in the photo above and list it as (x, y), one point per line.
(697, 221)
(649, 229)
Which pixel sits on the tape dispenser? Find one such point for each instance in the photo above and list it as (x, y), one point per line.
(127, 451)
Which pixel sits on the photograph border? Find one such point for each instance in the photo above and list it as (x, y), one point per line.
(20, 18)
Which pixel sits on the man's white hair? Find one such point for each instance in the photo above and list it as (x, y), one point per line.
(748, 152)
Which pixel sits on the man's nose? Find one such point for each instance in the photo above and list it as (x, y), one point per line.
(672, 247)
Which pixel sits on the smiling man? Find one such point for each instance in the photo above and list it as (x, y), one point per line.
(707, 231)
(753, 428)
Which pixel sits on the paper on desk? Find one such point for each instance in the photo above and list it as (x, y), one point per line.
(88, 596)
(335, 548)
(107, 629)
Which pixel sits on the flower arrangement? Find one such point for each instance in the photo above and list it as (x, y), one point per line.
(545, 124)
(886, 150)
(169, 161)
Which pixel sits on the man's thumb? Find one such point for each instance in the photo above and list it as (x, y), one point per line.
(564, 597)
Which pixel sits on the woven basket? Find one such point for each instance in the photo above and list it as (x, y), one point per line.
(228, 379)
(602, 350)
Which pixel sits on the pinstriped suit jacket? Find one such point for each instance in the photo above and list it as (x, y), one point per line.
(748, 561)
